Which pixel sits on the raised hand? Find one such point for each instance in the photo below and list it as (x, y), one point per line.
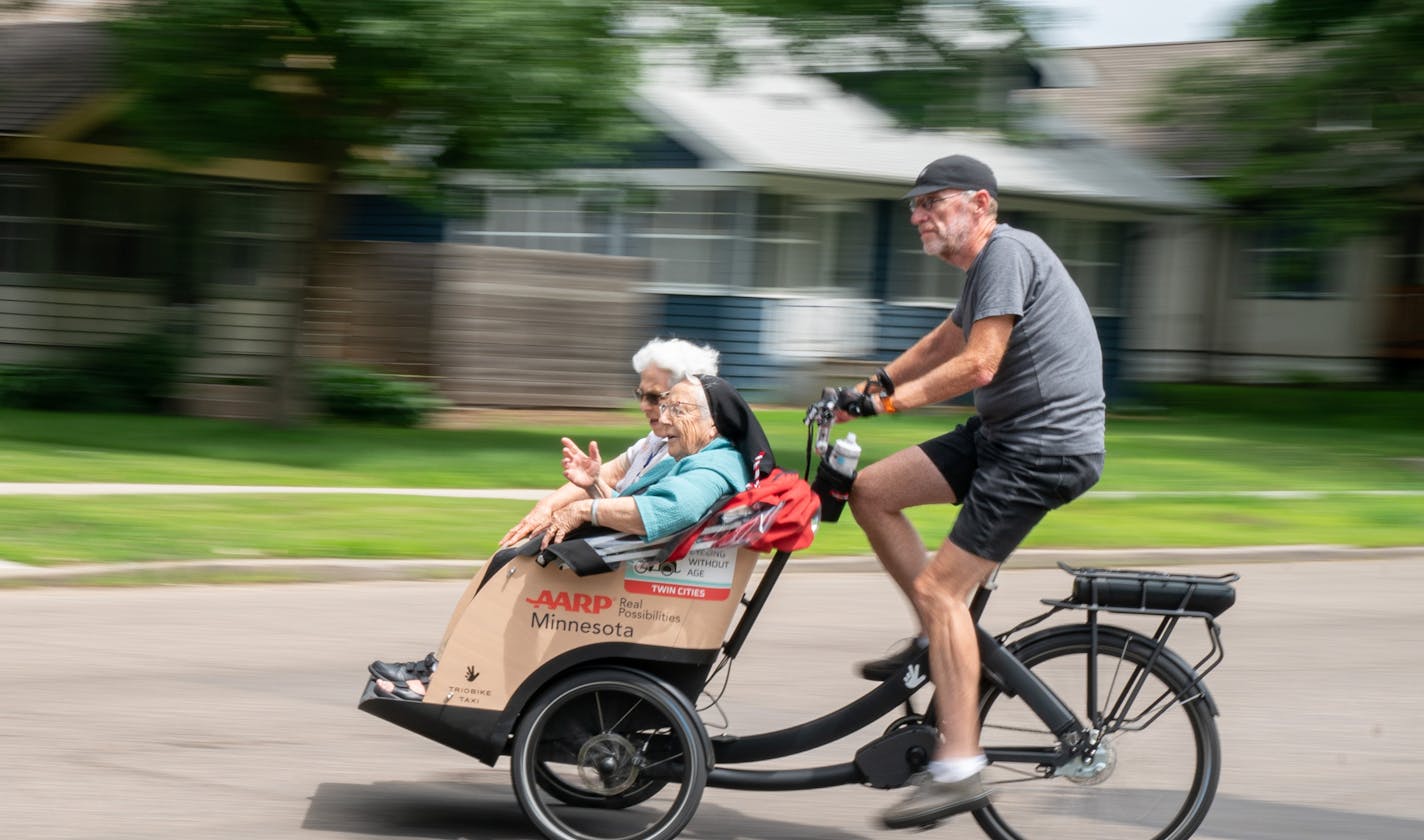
(579, 468)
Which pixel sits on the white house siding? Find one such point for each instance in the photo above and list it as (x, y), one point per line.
(1198, 313)
(37, 320)
(1332, 336)
(1168, 328)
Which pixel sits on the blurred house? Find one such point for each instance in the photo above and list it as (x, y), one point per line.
(769, 203)
(762, 215)
(102, 242)
(1259, 306)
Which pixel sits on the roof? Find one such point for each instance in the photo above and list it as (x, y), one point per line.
(1114, 87)
(46, 69)
(774, 121)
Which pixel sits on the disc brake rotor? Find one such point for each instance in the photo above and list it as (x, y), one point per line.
(1091, 769)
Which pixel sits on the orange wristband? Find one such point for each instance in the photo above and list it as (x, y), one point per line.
(888, 403)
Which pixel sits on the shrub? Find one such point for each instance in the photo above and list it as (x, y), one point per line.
(143, 371)
(137, 375)
(51, 389)
(351, 392)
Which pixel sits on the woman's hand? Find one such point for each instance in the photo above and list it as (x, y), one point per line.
(533, 522)
(579, 468)
(564, 520)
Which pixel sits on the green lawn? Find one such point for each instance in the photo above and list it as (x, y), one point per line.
(1203, 444)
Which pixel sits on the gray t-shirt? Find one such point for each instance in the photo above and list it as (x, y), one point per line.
(1047, 396)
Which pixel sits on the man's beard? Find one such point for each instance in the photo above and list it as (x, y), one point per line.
(952, 240)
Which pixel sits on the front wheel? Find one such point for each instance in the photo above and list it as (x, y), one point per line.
(1151, 776)
(609, 755)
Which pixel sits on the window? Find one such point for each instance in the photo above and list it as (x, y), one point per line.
(21, 225)
(1285, 262)
(543, 221)
(691, 233)
(853, 237)
(1406, 256)
(107, 226)
(252, 235)
(787, 244)
(707, 239)
(1092, 253)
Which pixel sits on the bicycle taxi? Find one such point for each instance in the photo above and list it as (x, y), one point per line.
(584, 662)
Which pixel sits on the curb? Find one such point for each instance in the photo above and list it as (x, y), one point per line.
(338, 569)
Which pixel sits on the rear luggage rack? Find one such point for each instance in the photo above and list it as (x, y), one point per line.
(1170, 595)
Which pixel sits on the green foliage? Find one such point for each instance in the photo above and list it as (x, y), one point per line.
(401, 90)
(1305, 20)
(350, 392)
(484, 84)
(138, 375)
(1321, 132)
(47, 388)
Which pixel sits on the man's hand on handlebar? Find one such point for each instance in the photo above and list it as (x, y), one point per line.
(853, 401)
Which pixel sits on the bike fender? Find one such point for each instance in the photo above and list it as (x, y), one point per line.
(1128, 637)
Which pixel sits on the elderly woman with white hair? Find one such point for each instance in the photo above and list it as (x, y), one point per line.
(659, 364)
(715, 446)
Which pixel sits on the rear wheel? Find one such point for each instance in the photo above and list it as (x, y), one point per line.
(609, 755)
(1157, 760)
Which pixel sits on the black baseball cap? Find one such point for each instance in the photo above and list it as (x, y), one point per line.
(957, 172)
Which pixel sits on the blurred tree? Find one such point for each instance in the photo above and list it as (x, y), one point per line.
(1324, 134)
(400, 90)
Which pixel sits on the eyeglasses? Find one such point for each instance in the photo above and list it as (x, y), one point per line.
(647, 396)
(677, 409)
(920, 203)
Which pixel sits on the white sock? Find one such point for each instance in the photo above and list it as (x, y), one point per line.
(956, 769)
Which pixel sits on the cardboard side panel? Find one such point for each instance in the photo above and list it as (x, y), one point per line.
(527, 615)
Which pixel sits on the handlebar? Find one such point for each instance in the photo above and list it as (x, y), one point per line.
(823, 414)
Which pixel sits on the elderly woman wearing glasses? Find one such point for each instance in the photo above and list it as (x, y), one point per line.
(714, 445)
(659, 364)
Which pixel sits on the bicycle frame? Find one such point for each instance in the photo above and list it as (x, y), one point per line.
(999, 667)
(870, 707)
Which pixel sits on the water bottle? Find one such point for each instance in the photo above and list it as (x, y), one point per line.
(844, 455)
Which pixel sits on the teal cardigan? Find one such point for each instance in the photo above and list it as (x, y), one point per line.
(676, 494)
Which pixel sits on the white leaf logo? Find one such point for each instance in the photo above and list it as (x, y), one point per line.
(913, 677)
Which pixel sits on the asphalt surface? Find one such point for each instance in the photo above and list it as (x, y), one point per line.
(180, 712)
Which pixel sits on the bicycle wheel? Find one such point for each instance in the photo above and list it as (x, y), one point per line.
(1151, 778)
(609, 755)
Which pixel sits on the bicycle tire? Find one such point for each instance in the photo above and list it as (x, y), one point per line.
(550, 782)
(1160, 801)
(615, 735)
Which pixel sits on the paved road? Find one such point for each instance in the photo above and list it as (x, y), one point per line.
(229, 712)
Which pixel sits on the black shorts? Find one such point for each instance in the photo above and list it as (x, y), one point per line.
(1004, 493)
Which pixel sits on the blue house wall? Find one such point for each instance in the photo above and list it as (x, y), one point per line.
(732, 324)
